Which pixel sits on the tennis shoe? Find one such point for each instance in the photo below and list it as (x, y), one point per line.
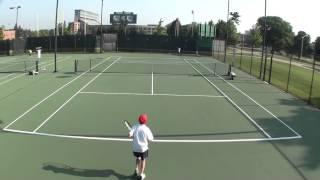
(142, 176)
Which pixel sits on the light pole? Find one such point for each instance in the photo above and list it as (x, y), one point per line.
(301, 52)
(17, 8)
(56, 38)
(16, 26)
(192, 23)
(101, 40)
(227, 34)
(264, 37)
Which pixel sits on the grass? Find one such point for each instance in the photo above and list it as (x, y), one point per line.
(299, 81)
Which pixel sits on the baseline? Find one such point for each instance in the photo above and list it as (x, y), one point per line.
(156, 140)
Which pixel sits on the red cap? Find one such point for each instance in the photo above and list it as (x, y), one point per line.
(143, 119)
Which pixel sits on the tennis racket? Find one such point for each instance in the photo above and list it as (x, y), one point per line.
(127, 124)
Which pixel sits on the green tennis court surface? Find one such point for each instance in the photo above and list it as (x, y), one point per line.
(68, 125)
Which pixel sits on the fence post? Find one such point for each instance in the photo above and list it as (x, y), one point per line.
(312, 79)
(289, 73)
(241, 55)
(265, 63)
(270, 69)
(251, 60)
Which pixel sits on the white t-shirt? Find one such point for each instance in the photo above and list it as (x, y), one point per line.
(141, 135)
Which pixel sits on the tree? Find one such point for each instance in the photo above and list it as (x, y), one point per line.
(221, 29)
(235, 17)
(279, 33)
(160, 30)
(279, 37)
(254, 37)
(174, 28)
(297, 40)
(1, 34)
(317, 49)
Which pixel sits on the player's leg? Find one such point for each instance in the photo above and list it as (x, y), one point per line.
(143, 164)
(137, 170)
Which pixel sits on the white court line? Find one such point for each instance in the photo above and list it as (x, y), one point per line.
(65, 103)
(231, 101)
(156, 140)
(239, 90)
(152, 84)
(45, 65)
(56, 91)
(133, 57)
(4, 77)
(142, 94)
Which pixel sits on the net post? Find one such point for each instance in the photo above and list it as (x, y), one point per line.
(90, 64)
(75, 66)
(215, 69)
(25, 66)
(229, 70)
(37, 66)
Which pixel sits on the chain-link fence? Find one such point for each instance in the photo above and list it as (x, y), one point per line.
(300, 77)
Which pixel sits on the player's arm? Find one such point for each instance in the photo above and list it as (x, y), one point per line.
(150, 135)
(131, 132)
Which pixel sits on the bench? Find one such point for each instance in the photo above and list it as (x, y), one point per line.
(33, 72)
(233, 75)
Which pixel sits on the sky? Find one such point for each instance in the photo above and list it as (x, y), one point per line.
(302, 15)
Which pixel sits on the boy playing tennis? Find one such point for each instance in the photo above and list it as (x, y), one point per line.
(141, 136)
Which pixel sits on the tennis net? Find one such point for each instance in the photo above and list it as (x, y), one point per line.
(193, 68)
(17, 67)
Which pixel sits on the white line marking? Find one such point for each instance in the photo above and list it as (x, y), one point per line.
(65, 85)
(152, 84)
(142, 94)
(232, 102)
(156, 140)
(235, 87)
(4, 77)
(65, 103)
(4, 82)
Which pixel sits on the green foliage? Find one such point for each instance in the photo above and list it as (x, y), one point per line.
(221, 29)
(174, 28)
(317, 49)
(1, 34)
(279, 32)
(161, 31)
(254, 37)
(235, 17)
(297, 40)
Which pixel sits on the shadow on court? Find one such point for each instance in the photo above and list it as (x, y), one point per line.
(65, 169)
(306, 121)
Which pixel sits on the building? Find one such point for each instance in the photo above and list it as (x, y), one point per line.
(87, 17)
(83, 18)
(139, 29)
(143, 29)
(9, 34)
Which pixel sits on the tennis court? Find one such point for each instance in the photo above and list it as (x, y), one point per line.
(68, 125)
